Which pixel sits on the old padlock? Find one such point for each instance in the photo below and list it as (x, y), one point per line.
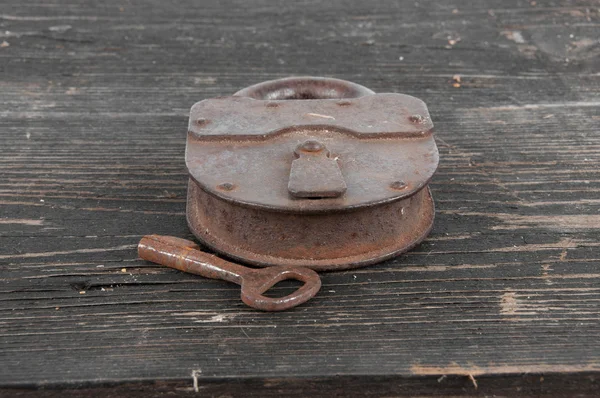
(309, 171)
(301, 173)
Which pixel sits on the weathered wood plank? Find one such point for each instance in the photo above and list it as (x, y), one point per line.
(94, 109)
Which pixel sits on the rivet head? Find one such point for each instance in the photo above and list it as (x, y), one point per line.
(416, 118)
(226, 186)
(398, 185)
(200, 122)
(312, 146)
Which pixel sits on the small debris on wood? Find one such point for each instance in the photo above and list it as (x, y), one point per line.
(453, 39)
(4, 44)
(167, 194)
(123, 269)
(82, 292)
(456, 81)
(473, 381)
(59, 28)
(513, 35)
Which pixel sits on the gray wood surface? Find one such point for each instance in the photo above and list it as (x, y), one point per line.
(502, 298)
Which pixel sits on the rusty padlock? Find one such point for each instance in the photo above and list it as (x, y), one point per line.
(310, 172)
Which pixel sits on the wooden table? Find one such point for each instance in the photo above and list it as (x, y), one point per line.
(503, 298)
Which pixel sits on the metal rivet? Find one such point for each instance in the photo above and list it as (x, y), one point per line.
(201, 122)
(416, 118)
(226, 186)
(398, 185)
(312, 146)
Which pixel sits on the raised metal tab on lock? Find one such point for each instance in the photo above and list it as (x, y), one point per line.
(314, 174)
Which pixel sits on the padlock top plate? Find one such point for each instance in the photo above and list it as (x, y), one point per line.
(241, 149)
(377, 114)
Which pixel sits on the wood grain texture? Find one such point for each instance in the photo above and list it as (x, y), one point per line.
(503, 297)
